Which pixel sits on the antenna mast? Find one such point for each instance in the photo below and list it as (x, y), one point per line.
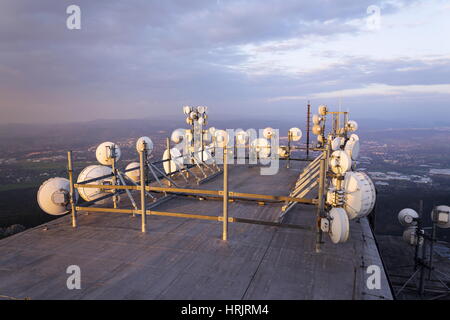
(308, 129)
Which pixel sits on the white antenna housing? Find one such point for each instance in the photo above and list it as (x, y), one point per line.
(221, 138)
(92, 172)
(296, 134)
(317, 130)
(410, 236)
(441, 216)
(148, 145)
(316, 119)
(177, 135)
(261, 147)
(134, 175)
(176, 161)
(323, 109)
(407, 217)
(53, 196)
(352, 126)
(360, 194)
(104, 153)
(340, 162)
(352, 147)
(187, 110)
(241, 137)
(339, 226)
(268, 133)
(336, 143)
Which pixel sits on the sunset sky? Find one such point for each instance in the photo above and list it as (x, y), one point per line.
(249, 58)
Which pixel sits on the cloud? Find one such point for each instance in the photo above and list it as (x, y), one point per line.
(137, 58)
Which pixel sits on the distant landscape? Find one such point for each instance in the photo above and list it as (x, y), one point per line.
(406, 164)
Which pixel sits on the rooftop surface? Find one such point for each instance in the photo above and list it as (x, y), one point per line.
(182, 258)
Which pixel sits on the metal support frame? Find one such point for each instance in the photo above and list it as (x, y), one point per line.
(423, 263)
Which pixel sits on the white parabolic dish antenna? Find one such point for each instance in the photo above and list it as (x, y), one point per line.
(221, 138)
(241, 136)
(339, 225)
(336, 143)
(360, 195)
(296, 134)
(177, 135)
(268, 133)
(104, 153)
(352, 125)
(352, 148)
(442, 217)
(316, 119)
(261, 146)
(340, 162)
(92, 172)
(134, 175)
(176, 161)
(148, 145)
(406, 217)
(53, 196)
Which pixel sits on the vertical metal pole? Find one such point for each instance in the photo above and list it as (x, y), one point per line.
(142, 174)
(289, 149)
(433, 239)
(308, 129)
(321, 199)
(419, 227)
(422, 269)
(72, 189)
(114, 179)
(225, 194)
(170, 158)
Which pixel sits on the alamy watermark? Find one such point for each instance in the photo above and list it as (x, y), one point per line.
(74, 280)
(73, 21)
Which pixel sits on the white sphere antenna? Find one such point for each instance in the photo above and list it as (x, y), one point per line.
(408, 217)
(323, 109)
(441, 216)
(105, 154)
(93, 172)
(317, 130)
(187, 110)
(221, 138)
(340, 162)
(339, 226)
(316, 119)
(336, 143)
(241, 137)
(283, 152)
(296, 134)
(53, 196)
(134, 175)
(268, 132)
(202, 109)
(352, 125)
(359, 194)
(261, 147)
(144, 144)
